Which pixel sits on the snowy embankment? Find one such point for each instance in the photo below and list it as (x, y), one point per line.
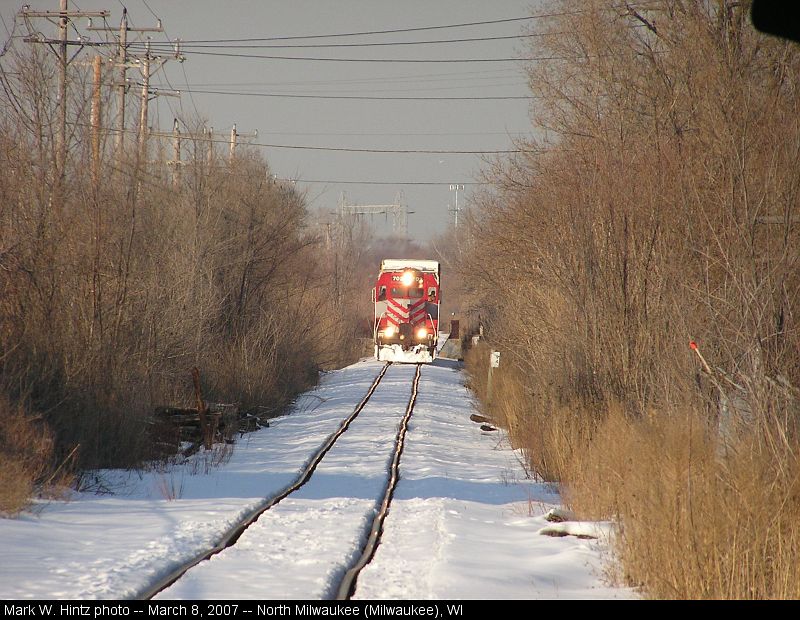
(464, 522)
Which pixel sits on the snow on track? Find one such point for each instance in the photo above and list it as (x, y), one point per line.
(463, 523)
(301, 547)
(112, 546)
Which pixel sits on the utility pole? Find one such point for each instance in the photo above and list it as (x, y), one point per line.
(143, 105)
(233, 144)
(63, 15)
(176, 157)
(207, 136)
(234, 140)
(146, 69)
(96, 116)
(210, 151)
(61, 141)
(123, 64)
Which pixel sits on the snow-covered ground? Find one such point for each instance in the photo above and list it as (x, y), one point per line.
(464, 522)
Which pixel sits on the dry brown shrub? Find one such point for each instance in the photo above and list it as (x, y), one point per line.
(660, 207)
(26, 453)
(113, 286)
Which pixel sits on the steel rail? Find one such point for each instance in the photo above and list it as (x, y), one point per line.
(232, 535)
(347, 587)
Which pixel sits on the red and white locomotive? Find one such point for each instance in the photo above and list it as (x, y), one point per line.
(406, 322)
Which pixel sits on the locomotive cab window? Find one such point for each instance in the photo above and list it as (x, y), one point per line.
(432, 294)
(413, 293)
(382, 294)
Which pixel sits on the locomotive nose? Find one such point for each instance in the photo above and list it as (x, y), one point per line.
(406, 331)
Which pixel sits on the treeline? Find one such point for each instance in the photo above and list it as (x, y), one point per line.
(122, 269)
(657, 205)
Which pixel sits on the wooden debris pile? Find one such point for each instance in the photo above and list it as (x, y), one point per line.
(205, 424)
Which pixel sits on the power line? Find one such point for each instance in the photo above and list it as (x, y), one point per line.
(8, 32)
(393, 31)
(11, 35)
(362, 97)
(322, 148)
(393, 151)
(166, 77)
(399, 88)
(183, 68)
(425, 77)
(189, 90)
(373, 60)
(332, 182)
(376, 44)
(384, 134)
(149, 9)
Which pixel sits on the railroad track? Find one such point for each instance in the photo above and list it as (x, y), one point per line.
(347, 587)
(371, 535)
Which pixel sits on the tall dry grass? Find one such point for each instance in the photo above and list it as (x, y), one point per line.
(548, 434)
(694, 523)
(700, 515)
(26, 454)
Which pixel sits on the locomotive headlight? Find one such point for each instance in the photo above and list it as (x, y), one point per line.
(407, 279)
(422, 332)
(389, 331)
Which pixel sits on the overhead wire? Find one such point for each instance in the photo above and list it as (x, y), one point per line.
(320, 148)
(184, 44)
(253, 87)
(365, 97)
(394, 134)
(5, 26)
(391, 31)
(370, 182)
(147, 6)
(372, 60)
(166, 77)
(440, 77)
(191, 90)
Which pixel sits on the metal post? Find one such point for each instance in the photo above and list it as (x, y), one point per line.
(494, 362)
(454, 188)
(489, 386)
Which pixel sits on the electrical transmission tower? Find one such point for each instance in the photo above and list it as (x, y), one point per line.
(398, 211)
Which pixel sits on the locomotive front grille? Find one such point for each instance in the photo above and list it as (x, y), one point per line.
(406, 331)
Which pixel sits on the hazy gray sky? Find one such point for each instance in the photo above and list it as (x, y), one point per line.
(386, 124)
